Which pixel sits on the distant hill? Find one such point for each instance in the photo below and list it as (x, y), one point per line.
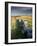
(22, 17)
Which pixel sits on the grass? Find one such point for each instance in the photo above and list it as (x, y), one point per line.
(15, 26)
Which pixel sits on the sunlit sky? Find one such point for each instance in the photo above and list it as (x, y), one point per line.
(15, 11)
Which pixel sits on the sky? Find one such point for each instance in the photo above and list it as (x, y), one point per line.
(15, 11)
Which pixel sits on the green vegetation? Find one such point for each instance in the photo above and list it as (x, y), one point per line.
(17, 32)
(30, 23)
(19, 29)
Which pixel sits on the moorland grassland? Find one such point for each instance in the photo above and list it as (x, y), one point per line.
(18, 31)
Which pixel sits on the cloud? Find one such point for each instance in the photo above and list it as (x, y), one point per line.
(21, 10)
